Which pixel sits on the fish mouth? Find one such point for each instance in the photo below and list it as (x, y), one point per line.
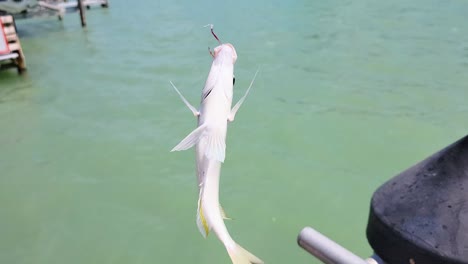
(227, 47)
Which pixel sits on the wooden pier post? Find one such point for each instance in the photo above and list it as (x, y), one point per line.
(82, 13)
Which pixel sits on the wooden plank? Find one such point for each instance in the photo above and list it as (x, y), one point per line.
(10, 56)
(9, 30)
(6, 19)
(14, 46)
(12, 37)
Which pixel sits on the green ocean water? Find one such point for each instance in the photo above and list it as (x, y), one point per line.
(349, 94)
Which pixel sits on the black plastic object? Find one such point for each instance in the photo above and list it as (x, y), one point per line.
(421, 215)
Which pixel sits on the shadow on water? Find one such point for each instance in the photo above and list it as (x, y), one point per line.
(13, 84)
(6, 75)
(38, 27)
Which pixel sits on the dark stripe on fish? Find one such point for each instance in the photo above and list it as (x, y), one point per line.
(207, 93)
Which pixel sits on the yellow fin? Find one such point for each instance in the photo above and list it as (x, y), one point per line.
(201, 220)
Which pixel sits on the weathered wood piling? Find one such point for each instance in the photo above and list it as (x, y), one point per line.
(82, 13)
(12, 56)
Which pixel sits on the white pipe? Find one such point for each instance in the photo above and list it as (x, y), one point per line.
(325, 249)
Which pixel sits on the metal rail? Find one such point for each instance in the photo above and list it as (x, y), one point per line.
(327, 250)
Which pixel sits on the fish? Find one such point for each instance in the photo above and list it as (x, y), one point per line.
(209, 139)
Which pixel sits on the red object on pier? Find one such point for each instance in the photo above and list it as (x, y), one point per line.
(4, 49)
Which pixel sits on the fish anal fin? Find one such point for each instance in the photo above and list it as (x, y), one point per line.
(201, 220)
(190, 140)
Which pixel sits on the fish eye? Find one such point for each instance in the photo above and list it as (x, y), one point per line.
(233, 80)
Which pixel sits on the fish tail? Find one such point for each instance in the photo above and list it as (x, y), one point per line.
(241, 256)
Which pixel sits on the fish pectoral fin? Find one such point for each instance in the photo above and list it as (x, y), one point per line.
(223, 213)
(236, 107)
(201, 220)
(216, 148)
(193, 109)
(190, 140)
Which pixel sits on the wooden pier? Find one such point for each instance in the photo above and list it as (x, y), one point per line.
(11, 53)
(62, 7)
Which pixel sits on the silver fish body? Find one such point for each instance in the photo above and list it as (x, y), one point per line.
(209, 139)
